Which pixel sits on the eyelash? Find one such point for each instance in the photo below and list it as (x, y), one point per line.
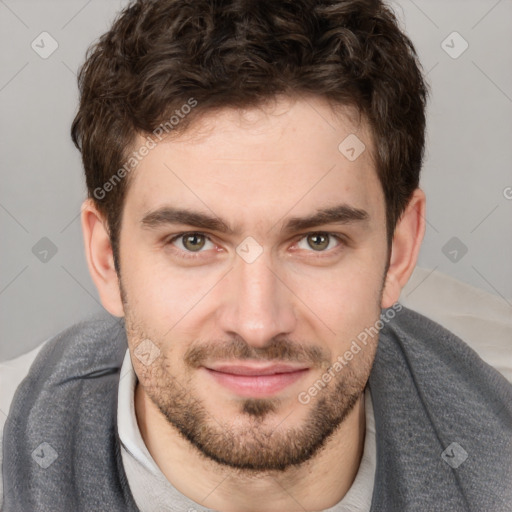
(191, 255)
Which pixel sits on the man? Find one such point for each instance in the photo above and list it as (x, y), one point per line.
(253, 215)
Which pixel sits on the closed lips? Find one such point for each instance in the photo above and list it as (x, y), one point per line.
(256, 371)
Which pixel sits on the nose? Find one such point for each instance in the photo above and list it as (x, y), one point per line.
(256, 304)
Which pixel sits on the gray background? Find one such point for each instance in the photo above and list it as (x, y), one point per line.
(467, 174)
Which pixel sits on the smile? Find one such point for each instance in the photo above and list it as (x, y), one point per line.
(254, 381)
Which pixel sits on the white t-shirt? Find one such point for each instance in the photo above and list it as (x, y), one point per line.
(482, 320)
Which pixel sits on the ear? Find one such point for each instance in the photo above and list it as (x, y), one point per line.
(407, 239)
(100, 259)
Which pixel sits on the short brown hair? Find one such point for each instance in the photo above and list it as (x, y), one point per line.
(240, 53)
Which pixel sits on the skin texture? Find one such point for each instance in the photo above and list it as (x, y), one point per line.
(294, 303)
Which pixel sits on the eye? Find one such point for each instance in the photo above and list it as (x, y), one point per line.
(191, 242)
(319, 242)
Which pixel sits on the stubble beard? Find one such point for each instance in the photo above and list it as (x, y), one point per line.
(255, 441)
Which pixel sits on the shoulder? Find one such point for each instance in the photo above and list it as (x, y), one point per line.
(70, 345)
(12, 373)
(482, 320)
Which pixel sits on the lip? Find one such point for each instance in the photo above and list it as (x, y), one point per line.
(254, 380)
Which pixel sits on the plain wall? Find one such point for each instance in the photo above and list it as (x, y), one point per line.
(467, 173)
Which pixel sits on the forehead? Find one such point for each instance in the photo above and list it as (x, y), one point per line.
(292, 155)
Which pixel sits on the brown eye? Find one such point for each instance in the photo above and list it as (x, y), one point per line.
(318, 241)
(193, 241)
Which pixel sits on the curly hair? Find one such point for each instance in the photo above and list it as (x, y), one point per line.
(161, 55)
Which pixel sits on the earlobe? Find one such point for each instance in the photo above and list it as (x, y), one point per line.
(100, 259)
(407, 239)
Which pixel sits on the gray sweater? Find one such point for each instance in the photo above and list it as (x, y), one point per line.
(443, 419)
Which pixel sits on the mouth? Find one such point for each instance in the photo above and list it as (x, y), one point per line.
(253, 380)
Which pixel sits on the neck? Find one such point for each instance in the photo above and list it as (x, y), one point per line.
(318, 484)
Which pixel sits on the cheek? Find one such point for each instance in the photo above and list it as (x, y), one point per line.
(348, 289)
(345, 299)
(154, 289)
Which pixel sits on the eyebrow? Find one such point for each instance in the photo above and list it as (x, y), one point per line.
(170, 215)
(340, 214)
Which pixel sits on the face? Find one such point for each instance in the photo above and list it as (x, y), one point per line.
(253, 253)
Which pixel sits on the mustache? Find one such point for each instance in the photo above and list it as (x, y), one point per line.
(278, 349)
